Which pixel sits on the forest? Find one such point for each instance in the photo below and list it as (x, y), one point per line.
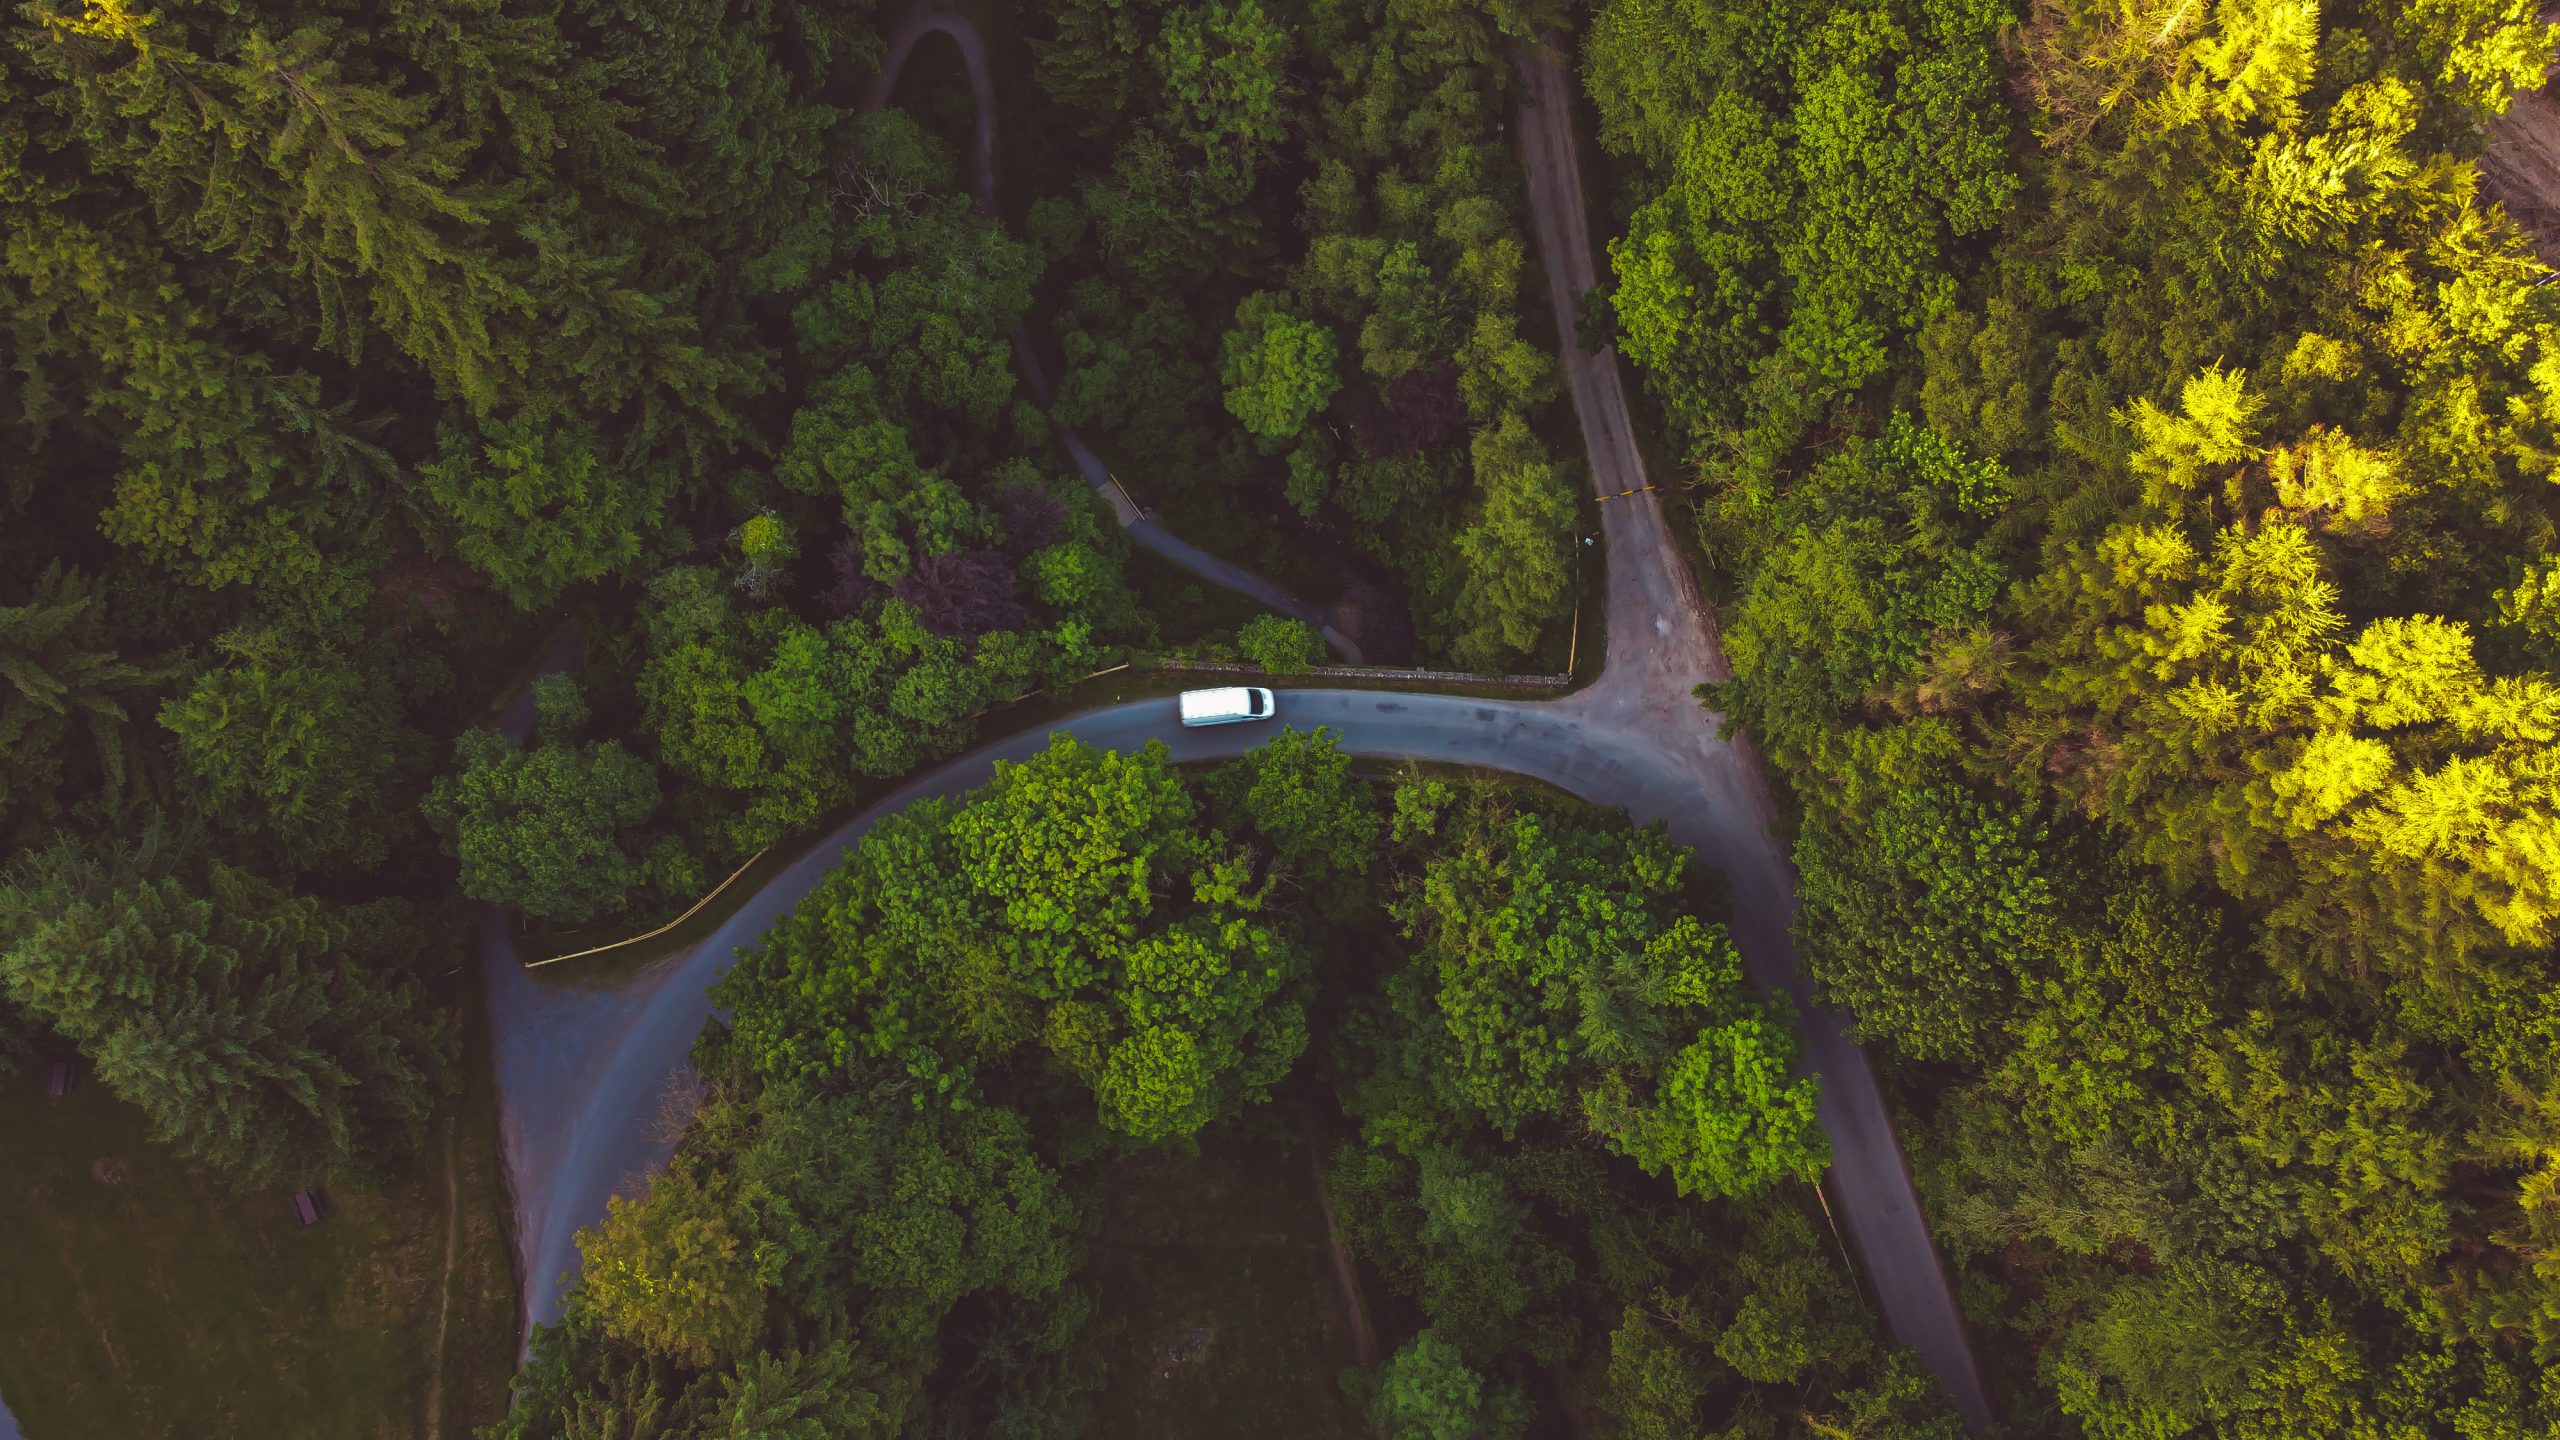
(1577, 1152)
(356, 355)
(2122, 441)
(360, 357)
(2126, 434)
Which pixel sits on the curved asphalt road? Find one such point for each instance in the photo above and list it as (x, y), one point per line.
(580, 1069)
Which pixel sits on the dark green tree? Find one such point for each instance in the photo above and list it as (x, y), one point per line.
(1075, 902)
(62, 676)
(1297, 795)
(550, 831)
(273, 1036)
(1426, 1392)
(299, 742)
(1924, 916)
(1554, 976)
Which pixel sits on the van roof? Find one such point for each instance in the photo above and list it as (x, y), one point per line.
(1218, 701)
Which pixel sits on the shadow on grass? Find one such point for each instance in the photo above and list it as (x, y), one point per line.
(1224, 1315)
(144, 1298)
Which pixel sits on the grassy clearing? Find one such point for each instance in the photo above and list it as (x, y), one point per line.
(145, 1299)
(1187, 609)
(1214, 1276)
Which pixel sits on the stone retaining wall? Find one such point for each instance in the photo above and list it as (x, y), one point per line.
(1361, 672)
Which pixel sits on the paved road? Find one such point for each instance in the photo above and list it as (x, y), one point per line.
(1662, 642)
(594, 1144)
(581, 1070)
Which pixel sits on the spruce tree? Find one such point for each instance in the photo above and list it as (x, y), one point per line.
(259, 1031)
(59, 675)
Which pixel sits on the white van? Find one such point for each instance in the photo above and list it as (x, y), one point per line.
(1227, 706)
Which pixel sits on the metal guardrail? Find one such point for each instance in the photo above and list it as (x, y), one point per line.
(690, 911)
(1573, 653)
(1167, 663)
(1128, 506)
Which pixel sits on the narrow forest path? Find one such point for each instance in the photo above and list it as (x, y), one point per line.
(592, 1061)
(1662, 644)
(1136, 522)
(1346, 1271)
(444, 1282)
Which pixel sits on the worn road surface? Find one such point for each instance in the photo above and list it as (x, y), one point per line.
(1715, 795)
(581, 1070)
(2521, 169)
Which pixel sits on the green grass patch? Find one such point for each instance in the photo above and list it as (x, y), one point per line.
(147, 1299)
(1187, 608)
(1215, 1278)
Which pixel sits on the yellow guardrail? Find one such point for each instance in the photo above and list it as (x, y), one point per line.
(696, 909)
(722, 887)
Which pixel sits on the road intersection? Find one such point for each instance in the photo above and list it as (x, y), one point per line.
(582, 1070)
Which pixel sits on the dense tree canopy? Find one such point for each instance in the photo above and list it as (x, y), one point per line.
(551, 831)
(1818, 165)
(1310, 290)
(273, 1036)
(358, 358)
(2125, 434)
(2138, 549)
(1076, 904)
(929, 1064)
(63, 684)
(342, 345)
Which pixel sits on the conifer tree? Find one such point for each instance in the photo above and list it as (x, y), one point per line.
(57, 678)
(301, 743)
(265, 1033)
(19, 1037)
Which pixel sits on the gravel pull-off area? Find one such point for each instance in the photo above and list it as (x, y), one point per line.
(2522, 167)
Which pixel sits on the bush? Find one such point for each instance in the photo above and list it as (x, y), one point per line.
(1281, 645)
